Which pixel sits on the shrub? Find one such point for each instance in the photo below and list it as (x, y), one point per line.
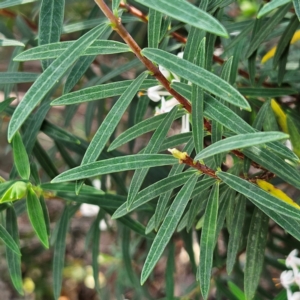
(225, 184)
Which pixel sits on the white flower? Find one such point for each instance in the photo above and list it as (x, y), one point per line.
(296, 296)
(292, 261)
(155, 93)
(287, 278)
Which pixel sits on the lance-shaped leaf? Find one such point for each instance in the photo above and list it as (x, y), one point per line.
(271, 6)
(50, 23)
(17, 77)
(59, 252)
(13, 259)
(236, 232)
(197, 75)
(168, 227)
(241, 141)
(266, 92)
(102, 91)
(7, 42)
(111, 121)
(20, 157)
(255, 253)
(207, 242)
(153, 191)
(154, 27)
(116, 164)
(257, 195)
(49, 78)
(140, 129)
(36, 216)
(56, 49)
(9, 3)
(184, 11)
(153, 147)
(8, 240)
(297, 8)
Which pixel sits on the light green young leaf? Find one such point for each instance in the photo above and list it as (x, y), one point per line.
(20, 157)
(297, 8)
(54, 50)
(116, 164)
(9, 3)
(268, 7)
(111, 121)
(207, 242)
(241, 141)
(50, 23)
(197, 75)
(13, 259)
(187, 13)
(258, 195)
(152, 147)
(168, 227)
(255, 252)
(17, 77)
(7, 42)
(8, 240)
(59, 252)
(49, 78)
(16, 191)
(36, 216)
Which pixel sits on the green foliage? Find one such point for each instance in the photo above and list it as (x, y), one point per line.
(203, 191)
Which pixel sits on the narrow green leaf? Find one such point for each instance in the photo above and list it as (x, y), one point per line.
(236, 233)
(294, 132)
(207, 242)
(98, 92)
(236, 291)
(170, 272)
(17, 77)
(50, 23)
(4, 104)
(197, 75)
(111, 121)
(266, 92)
(153, 146)
(154, 27)
(271, 6)
(20, 157)
(187, 13)
(36, 217)
(115, 5)
(255, 252)
(117, 164)
(266, 30)
(49, 78)
(7, 42)
(197, 99)
(9, 3)
(59, 252)
(8, 240)
(240, 141)
(257, 195)
(164, 198)
(13, 259)
(99, 47)
(285, 40)
(297, 8)
(45, 214)
(153, 191)
(168, 227)
(139, 129)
